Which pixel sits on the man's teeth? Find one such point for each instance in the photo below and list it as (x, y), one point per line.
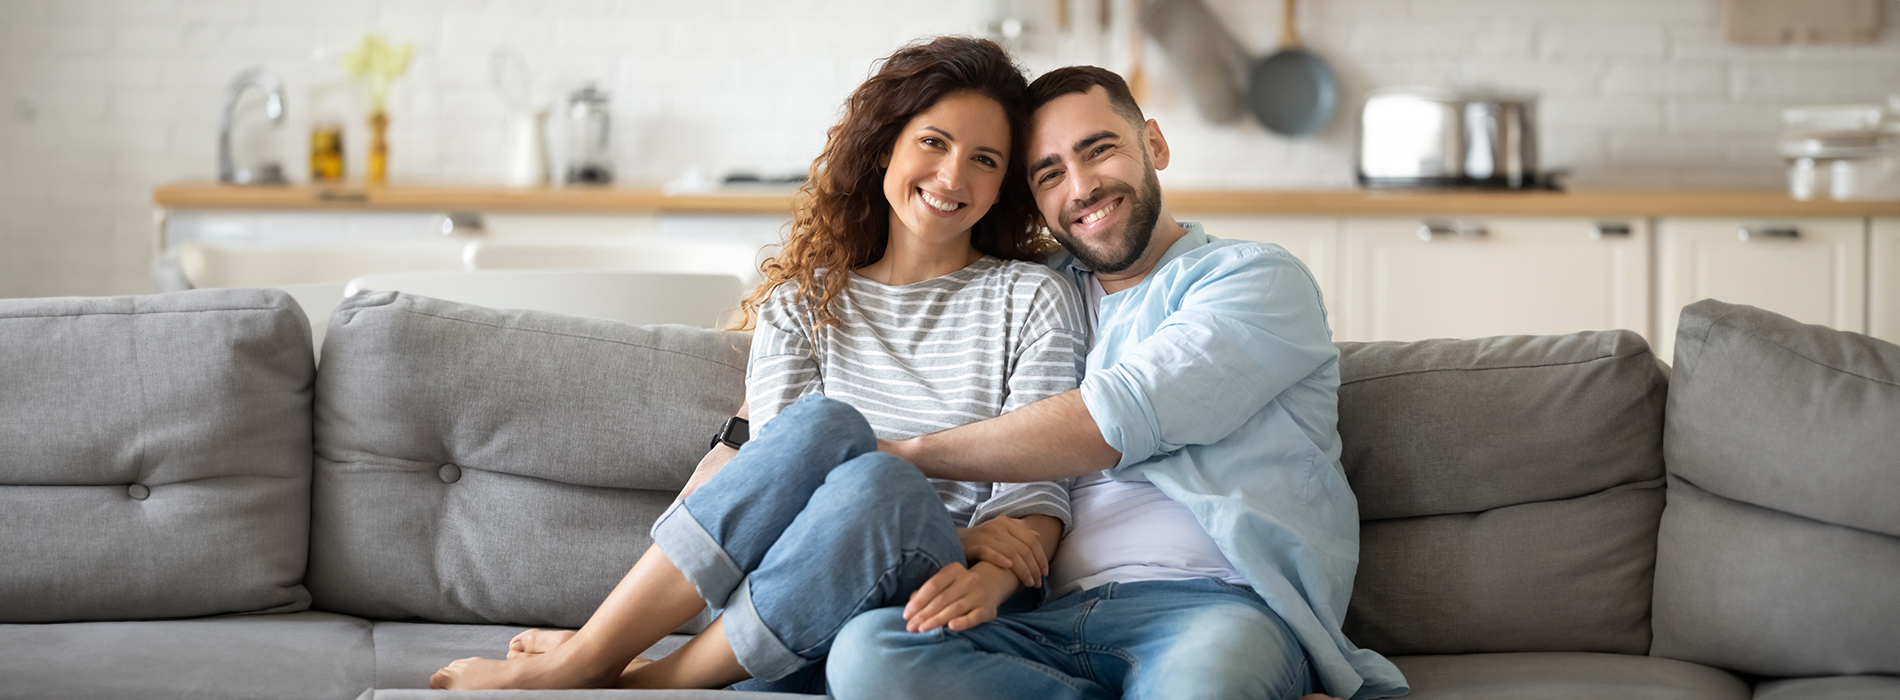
(938, 203)
(1099, 213)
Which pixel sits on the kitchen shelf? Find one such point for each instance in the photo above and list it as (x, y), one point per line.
(651, 199)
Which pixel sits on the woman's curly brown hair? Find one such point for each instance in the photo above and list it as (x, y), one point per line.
(841, 220)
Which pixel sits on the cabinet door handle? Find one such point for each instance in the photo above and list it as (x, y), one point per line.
(1605, 230)
(1752, 233)
(1437, 229)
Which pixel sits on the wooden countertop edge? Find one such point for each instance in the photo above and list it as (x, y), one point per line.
(421, 197)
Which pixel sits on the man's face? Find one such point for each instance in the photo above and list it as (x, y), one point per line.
(1085, 161)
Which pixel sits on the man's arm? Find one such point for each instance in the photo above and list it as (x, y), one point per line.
(1054, 438)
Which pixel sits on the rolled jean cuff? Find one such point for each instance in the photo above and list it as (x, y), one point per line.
(759, 650)
(697, 555)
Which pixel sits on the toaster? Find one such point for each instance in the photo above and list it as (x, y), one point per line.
(1426, 137)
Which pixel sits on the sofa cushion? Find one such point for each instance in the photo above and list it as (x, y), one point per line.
(477, 465)
(1833, 688)
(1510, 489)
(155, 455)
(297, 655)
(1780, 545)
(408, 653)
(1564, 676)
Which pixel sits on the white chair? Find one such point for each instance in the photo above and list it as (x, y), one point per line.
(638, 298)
(317, 300)
(256, 264)
(641, 255)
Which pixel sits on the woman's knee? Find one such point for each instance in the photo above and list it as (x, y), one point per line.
(830, 421)
(886, 477)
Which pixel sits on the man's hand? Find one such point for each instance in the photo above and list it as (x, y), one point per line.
(1010, 544)
(958, 597)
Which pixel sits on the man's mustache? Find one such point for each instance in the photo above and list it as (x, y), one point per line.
(1096, 196)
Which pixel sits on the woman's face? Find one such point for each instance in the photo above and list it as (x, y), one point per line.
(946, 169)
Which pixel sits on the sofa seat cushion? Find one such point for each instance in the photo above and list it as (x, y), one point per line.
(1509, 490)
(487, 466)
(407, 653)
(1780, 546)
(296, 655)
(1564, 676)
(154, 455)
(1832, 688)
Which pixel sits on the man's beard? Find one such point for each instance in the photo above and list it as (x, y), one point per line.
(1144, 209)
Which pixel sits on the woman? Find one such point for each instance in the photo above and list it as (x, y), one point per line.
(904, 301)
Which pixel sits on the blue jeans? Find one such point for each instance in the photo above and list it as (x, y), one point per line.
(1149, 639)
(808, 526)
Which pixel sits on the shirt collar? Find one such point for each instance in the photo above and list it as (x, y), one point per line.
(1196, 237)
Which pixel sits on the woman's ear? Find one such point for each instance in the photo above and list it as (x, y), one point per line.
(884, 160)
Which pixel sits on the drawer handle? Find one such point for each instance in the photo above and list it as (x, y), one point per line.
(1437, 229)
(1601, 231)
(1751, 233)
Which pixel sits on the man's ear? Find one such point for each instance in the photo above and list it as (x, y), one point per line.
(1156, 143)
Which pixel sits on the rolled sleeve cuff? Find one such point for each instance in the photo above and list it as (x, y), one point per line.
(698, 556)
(1121, 414)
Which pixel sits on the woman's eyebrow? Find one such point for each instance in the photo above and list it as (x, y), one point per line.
(947, 135)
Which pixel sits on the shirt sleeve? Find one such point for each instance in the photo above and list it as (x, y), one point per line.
(1249, 325)
(1046, 363)
(782, 367)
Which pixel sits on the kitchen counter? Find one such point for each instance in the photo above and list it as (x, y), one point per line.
(651, 199)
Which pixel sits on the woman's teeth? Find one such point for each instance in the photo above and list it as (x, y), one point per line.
(938, 203)
(1099, 213)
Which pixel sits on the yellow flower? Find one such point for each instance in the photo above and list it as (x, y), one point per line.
(375, 65)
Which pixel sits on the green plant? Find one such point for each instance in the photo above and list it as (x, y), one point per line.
(374, 66)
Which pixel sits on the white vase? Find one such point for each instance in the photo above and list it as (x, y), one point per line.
(528, 161)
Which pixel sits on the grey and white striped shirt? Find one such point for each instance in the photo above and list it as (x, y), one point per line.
(918, 358)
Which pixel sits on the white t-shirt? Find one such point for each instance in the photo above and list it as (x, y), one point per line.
(1126, 531)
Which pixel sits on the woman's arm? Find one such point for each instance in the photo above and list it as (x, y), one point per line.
(710, 464)
(964, 597)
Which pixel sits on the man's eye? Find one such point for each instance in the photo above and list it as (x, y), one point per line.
(1099, 150)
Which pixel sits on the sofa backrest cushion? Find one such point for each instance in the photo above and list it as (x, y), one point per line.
(477, 465)
(154, 455)
(1780, 547)
(1509, 490)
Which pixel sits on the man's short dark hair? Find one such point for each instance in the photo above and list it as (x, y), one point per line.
(1080, 79)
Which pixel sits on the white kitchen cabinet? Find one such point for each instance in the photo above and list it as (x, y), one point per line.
(1412, 278)
(1883, 280)
(1810, 270)
(1312, 239)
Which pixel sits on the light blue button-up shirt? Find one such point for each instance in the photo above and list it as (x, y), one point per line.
(1217, 379)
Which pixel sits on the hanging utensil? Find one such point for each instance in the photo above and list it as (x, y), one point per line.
(1211, 61)
(1292, 92)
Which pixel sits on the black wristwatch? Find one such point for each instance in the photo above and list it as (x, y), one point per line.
(733, 434)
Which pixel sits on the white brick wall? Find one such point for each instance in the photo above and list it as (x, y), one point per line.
(102, 99)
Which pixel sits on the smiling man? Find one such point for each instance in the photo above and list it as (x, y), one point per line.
(1215, 538)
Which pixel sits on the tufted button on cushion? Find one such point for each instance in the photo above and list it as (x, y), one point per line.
(138, 492)
(449, 473)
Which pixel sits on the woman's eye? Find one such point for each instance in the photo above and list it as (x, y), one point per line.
(932, 142)
(986, 160)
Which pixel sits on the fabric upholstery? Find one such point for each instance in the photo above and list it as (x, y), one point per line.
(1835, 688)
(154, 456)
(407, 653)
(1510, 489)
(1780, 544)
(299, 655)
(478, 465)
(1564, 676)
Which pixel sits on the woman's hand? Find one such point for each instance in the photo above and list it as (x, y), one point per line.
(958, 597)
(1009, 544)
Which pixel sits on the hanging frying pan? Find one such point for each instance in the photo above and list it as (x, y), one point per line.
(1292, 92)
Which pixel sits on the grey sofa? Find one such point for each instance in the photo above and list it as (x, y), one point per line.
(190, 508)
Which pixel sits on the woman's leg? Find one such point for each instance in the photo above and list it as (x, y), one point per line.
(703, 548)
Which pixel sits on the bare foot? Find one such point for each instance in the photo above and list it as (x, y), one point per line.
(536, 641)
(538, 671)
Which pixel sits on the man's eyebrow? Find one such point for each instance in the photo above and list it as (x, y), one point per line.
(947, 135)
(1081, 145)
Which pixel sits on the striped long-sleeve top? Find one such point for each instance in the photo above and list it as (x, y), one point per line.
(918, 358)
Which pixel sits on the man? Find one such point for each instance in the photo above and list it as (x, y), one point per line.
(1214, 556)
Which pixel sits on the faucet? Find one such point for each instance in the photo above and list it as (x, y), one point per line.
(264, 174)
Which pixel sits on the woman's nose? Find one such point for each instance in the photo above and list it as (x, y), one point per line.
(950, 175)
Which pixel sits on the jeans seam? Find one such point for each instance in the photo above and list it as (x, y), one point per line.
(904, 557)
